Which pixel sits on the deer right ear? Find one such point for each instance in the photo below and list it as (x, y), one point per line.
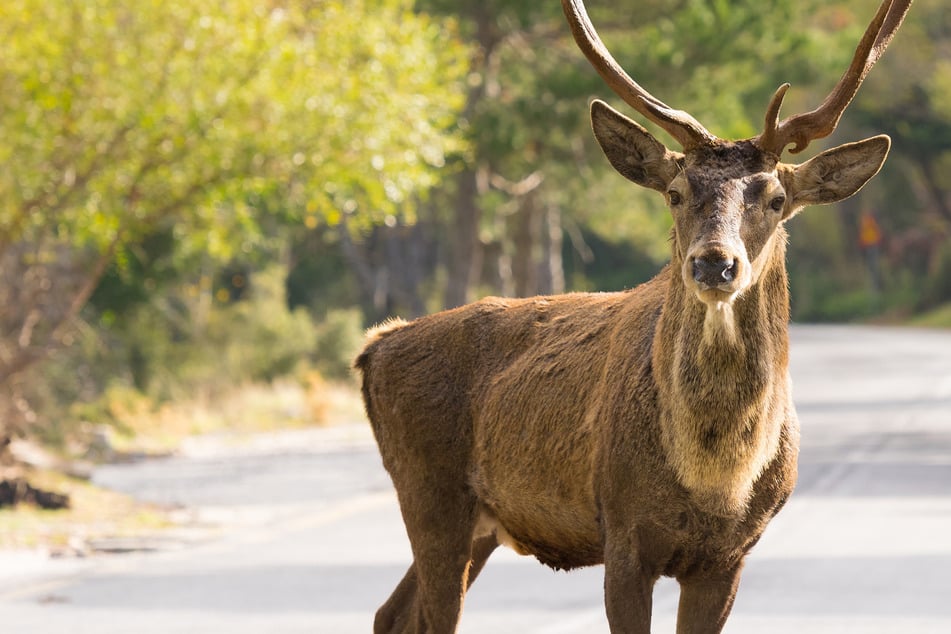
(632, 150)
(838, 173)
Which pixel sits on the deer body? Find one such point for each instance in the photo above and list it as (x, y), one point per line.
(651, 430)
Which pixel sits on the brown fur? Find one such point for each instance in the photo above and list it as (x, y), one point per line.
(651, 430)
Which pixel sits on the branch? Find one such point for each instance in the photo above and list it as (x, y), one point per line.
(520, 188)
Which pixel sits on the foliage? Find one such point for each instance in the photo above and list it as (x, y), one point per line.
(939, 317)
(122, 117)
(195, 346)
(145, 140)
(535, 171)
(338, 339)
(198, 337)
(904, 97)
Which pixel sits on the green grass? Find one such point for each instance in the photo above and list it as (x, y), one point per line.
(937, 318)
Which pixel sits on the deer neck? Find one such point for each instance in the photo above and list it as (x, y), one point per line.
(721, 372)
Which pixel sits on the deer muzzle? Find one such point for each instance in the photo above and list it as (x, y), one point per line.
(716, 272)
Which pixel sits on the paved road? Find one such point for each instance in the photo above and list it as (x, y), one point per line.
(312, 540)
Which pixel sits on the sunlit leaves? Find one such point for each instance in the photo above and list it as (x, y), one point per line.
(118, 117)
(382, 111)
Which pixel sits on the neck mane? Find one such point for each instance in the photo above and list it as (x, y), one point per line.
(723, 383)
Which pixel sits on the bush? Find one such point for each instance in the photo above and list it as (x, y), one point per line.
(339, 338)
(938, 288)
(259, 339)
(191, 343)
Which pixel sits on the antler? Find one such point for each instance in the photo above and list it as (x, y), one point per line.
(821, 122)
(680, 125)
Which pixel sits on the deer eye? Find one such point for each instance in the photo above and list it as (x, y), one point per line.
(674, 197)
(776, 204)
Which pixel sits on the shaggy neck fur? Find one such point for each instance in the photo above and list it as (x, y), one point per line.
(723, 385)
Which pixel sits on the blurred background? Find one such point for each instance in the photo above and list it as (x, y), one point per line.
(204, 203)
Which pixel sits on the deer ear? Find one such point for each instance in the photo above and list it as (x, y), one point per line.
(838, 173)
(632, 150)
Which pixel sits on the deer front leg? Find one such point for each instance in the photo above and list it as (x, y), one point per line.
(706, 601)
(628, 591)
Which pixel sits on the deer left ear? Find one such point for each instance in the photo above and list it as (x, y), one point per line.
(631, 149)
(836, 174)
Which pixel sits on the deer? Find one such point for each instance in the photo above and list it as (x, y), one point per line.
(650, 430)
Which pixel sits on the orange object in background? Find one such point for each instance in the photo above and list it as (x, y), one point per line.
(870, 234)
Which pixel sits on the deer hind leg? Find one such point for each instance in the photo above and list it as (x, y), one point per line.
(441, 519)
(402, 613)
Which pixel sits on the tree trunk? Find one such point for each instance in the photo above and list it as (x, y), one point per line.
(464, 260)
(527, 242)
(552, 273)
(939, 197)
(389, 268)
(404, 245)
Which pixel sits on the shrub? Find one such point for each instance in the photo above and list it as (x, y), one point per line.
(338, 339)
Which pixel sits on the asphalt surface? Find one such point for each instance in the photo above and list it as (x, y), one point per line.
(300, 532)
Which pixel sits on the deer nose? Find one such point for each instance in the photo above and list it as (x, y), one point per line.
(714, 270)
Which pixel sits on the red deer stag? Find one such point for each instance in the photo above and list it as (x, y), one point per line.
(650, 430)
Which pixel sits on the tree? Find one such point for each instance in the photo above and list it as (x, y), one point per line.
(534, 173)
(906, 97)
(198, 119)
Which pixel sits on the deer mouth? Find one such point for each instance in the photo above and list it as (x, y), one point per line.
(715, 295)
(712, 295)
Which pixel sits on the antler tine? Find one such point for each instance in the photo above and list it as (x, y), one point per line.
(680, 125)
(803, 128)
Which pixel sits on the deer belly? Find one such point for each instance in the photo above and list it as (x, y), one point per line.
(559, 547)
(557, 525)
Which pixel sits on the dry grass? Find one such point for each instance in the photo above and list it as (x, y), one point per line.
(247, 409)
(93, 513)
(96, 513)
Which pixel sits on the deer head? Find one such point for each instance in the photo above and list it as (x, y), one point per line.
(728, 198)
